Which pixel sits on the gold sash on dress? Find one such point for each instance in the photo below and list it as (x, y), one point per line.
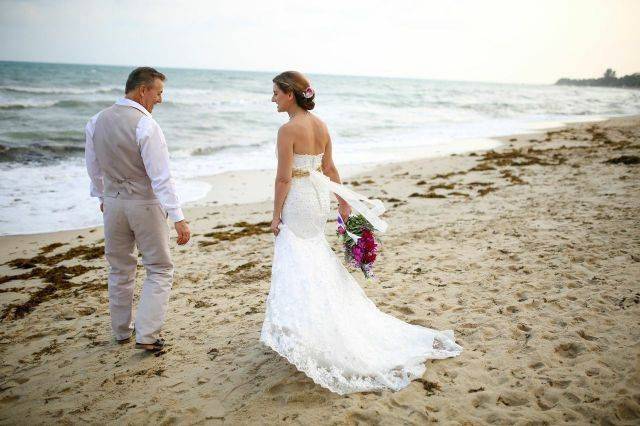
(296, 173)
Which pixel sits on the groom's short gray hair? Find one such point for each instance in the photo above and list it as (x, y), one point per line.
(142, 76)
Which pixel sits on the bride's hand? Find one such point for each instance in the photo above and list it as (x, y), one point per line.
(344, 210)
(274, 226)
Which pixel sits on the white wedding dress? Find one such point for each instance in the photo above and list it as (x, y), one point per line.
(318, 317)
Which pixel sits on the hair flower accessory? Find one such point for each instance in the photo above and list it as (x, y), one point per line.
(308, 94)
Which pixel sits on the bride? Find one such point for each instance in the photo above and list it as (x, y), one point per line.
(317, 316)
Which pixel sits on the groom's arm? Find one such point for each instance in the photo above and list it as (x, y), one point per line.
(155, 156)
(96, 187)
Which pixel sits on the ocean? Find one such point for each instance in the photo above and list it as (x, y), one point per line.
(217, 121)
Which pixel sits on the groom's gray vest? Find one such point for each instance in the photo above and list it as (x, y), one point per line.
(118, 154)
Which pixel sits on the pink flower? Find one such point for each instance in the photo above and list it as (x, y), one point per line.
(308, 93)
(341, 230)
(357, 253)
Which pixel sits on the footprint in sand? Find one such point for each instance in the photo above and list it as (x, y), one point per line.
(562, 384)
(571, 397)
(570, 350)
(546, 398)
(524, 327)
(404, 309)
(585, 336)
(291, 386)
(536, 365)
(362, 417)
(628, 410)
(482, 399)
(594, 371)
(512, 309)
(513, 398)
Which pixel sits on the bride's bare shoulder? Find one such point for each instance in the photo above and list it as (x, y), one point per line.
(320, 124)
(288, 128)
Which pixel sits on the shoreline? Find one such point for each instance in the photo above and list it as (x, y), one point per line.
(528, 252)
(241, 187)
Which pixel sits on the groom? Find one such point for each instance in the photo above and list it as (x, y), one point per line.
(128, 163)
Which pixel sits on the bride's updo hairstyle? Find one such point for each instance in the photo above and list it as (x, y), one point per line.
(296, 82)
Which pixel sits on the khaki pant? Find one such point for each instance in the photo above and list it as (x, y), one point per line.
(144, 223)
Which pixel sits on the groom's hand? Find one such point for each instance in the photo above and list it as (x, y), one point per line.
(184, 233)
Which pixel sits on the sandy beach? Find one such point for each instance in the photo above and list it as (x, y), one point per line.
(530, 253)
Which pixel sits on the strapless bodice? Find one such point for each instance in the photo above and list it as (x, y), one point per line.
(307, 161)
(306, 207)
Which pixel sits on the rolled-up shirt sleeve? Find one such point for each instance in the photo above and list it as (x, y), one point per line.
(96, 187)
(155, 156)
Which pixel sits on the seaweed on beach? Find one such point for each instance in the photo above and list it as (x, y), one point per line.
(624, 159)
(427, 195)
(58, 278)
(597, 135)
(198, 304)
(481, 168)
(84, 252)
(395, 201)
(484, 191)
(202, 244)
(624, 144)
(511, 157)
(246, 230)
(508, 175)
(472, 184)
(442, 186)
(446, 175)
(463, 194)
(51, 348)
(21, 264)
(249, 272)
(50, 248)
(430, 387)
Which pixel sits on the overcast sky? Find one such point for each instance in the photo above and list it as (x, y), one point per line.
(505, 41)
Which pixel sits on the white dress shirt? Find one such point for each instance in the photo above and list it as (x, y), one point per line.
(155, 157)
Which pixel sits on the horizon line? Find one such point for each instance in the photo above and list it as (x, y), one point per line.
(265, 71)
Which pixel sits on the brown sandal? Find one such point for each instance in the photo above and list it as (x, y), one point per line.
(156, 346)
(127, 339)
(123, 341)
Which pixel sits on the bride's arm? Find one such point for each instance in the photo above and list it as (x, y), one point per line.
(283, 175)
(329, 169)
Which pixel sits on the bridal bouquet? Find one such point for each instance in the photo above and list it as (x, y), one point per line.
(360, 246)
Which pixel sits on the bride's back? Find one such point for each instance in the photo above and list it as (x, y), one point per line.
(310, 135)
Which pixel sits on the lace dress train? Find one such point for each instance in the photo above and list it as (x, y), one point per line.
(319, 318)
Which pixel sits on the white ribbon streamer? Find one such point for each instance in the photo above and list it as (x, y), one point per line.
(371, 209)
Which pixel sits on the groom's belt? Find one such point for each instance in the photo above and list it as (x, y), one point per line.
(303, 172)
